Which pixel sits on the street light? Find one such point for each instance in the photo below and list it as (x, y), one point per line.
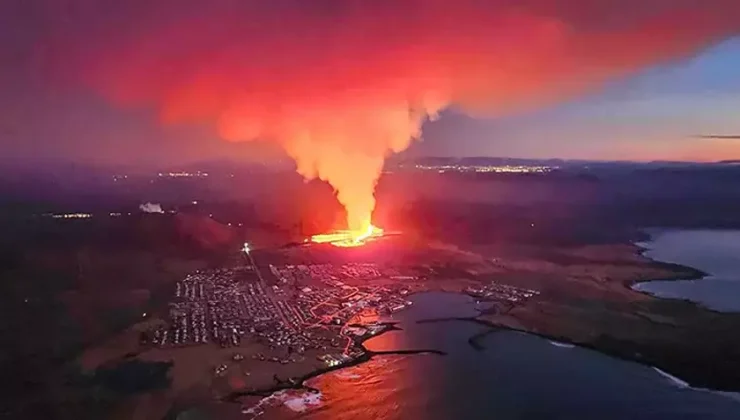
(246, 248)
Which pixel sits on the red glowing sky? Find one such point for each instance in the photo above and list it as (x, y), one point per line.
(95, 79)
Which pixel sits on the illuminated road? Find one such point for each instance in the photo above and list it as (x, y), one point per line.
(247, 254)
(268, 290)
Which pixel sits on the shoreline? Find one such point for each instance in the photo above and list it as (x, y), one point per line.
(569, 343)
(611, 347)
(692, 273)
(300, 382)
(684, 273)
(681, 273)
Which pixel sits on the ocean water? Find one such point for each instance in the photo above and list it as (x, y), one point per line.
(716, 252)
(516, 376)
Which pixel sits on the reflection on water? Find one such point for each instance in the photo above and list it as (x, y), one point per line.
(517, 376)
(716, 252)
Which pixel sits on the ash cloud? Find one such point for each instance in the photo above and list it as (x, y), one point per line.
(342, 84)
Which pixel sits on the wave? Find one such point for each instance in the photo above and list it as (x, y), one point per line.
(259, 408)
(676, 381)
(685, 385)
(303, 402)
(296, 402)
(562, 345)
(727, 394)
(347, 375)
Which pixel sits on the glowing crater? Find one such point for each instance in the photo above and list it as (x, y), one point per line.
(348, 238)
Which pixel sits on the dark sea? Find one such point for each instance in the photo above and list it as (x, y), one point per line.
(516, 376)
(716, 252)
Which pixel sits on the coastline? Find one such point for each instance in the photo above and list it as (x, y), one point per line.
(691, 272)
(473, 341)
(566, 342)
(605, 347)
(663, 363)
(300, 382)
(701, 380)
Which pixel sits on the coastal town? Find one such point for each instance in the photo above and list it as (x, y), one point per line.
(270, 317)
(293, 308)
(266, 321)
(289, 309)
(501, 292)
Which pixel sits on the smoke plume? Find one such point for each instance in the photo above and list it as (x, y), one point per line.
(151, 208)
(342, 84)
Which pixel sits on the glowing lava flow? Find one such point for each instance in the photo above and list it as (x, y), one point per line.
(348, 238)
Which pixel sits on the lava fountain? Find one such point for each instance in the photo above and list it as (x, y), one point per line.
(349, 238)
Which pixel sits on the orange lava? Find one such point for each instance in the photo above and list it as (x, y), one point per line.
(348, 238)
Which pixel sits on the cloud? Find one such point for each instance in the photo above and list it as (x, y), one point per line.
(719, 137)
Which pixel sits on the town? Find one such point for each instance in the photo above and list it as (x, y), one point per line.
(294, 309)
(501, 292)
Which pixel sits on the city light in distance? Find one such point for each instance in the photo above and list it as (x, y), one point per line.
(72, 216)
(512, 169)
(197, 174)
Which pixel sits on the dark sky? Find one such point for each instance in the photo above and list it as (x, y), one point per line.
(156, 82)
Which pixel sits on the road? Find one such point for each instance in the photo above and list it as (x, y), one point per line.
(268, 290)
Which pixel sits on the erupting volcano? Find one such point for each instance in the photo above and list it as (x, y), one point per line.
(348, 238)
(341, 85)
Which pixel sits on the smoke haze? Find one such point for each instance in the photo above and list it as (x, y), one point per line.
(342, 84)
